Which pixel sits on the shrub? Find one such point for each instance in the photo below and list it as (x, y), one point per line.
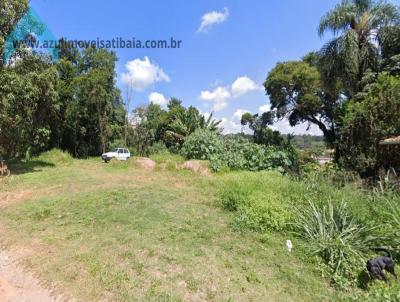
(117, 143)
(331, 232)
(260, 212)
(257, 201)
(367, 122)
(158, 148)
(202, 144)
(241, 154)
(391, 227)
(55, 157)
(233, 196)
(379, 292)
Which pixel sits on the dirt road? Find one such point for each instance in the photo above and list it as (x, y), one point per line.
(17, 285)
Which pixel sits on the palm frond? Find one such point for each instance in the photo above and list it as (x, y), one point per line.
(338, 19)
(385, 14)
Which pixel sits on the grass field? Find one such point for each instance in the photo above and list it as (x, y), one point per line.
(115, 232)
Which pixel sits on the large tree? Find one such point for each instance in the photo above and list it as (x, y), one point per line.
(368, 122)
(185, 122)
(91, 114)
(11, 12)
(28, 105)
(262, 133)
(296, 93)
(361, 28)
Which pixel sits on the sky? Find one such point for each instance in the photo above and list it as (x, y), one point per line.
(227, 48)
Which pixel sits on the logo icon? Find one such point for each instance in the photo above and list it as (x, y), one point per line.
(30, 32)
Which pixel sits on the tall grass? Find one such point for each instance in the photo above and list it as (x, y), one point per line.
(333, 233)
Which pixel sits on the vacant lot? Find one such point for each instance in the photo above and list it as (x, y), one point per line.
(116, 232)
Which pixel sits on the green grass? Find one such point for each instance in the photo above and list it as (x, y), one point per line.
(115, 232)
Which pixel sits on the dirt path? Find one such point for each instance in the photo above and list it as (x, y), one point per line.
(16, 285)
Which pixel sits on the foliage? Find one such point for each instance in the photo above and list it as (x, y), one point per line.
(158, 148)
(378, 292)
(333, 233)
(309, 142)
(257, 206)
(262, 134)
(241, 154)
(369, 121)
(202, 144)
(28, 105)
(55, 157)
(10, 13)
(146, 123)
(353, 53)
(262, 213)
(93, 113)
(296, 92)
(73, 105)
(391, 226)
(182, 122)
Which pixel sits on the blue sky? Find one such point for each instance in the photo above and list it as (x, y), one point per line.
(245, 41)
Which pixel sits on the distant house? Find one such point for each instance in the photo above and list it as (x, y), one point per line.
(326, 158)
(390, 141)
(322, 160)
(389, 153)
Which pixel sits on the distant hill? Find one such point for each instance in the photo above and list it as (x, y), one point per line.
(309, 142)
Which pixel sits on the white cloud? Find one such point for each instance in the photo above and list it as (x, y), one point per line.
(284, 127)
(230, 126)
(205, 114)
(211, 18)
(264, 108)
(238, 113)
(219, 96)
(143, 73)
(243, 85)
(158, 99)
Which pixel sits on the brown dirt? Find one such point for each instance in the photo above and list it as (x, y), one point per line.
(18, 285)
(7, 198)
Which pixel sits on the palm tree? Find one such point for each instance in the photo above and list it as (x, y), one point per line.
(356, 48)
(188, 121)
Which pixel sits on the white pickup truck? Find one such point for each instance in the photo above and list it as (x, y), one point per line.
(117, 153)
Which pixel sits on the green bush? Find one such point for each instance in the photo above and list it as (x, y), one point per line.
(158, 148)
(117, 143)
(390, 226)
(202, 144)
(233, 196)
(260, 212)
(55, 157)
(257, 200)
(241, 154)
(366, 123)
(378, 292)
(333, 233)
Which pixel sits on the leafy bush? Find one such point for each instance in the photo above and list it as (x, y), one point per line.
(202, 144)
(241, 154)
(391, 226)
(367, 122)
(55, 157)
(158, 148)
(332, 232)
(260, 212)
(256, 200)
(117, 143)
(379, 292)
